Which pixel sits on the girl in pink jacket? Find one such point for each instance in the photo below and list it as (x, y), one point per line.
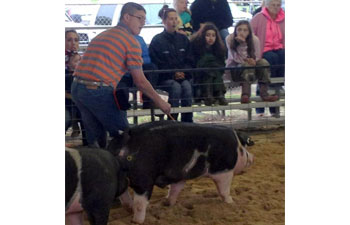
(269, 27)
(244, 51)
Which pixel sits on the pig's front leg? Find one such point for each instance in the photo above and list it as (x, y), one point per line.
(139, 208)
(223, 184)
(126, 201)
(174, 192)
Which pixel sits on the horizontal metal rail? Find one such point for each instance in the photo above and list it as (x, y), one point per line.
(151, 3)
(104, 27)
(194, 108)
(261, 122)
(211, 69)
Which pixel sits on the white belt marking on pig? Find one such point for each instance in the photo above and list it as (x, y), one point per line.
(241, 149)
(77, 159)
(194, 159)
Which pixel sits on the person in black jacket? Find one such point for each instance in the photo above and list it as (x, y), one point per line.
(215, 11)
(171, 50)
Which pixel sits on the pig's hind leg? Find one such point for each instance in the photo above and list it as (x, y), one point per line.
(223, 183)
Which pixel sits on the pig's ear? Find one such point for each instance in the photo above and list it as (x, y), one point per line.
(250, 142)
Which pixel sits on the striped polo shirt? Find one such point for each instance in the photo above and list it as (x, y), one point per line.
(110, 55)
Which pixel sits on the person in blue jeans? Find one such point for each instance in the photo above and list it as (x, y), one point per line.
(275, 57)
(171, 50)
(147, 65)
(104, 64)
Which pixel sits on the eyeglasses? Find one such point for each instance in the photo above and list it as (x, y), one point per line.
(141, 18)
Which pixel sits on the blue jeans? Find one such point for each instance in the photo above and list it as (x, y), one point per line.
(275, 57)
(99, 112)
(179, 92)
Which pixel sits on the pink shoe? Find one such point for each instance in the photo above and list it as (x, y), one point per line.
(269, 98)
(245, 99)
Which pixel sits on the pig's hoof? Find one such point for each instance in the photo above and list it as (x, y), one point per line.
(168, 202)
(136, 222)
(228, 200)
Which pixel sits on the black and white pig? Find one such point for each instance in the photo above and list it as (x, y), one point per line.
(168, 152)
(93, 180)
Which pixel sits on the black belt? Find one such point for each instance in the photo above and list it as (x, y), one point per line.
(90, 82)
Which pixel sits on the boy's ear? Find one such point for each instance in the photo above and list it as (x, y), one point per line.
(126, 17)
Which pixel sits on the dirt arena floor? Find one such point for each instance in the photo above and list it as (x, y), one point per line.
(258, 194)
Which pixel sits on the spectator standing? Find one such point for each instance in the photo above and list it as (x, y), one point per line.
(185, 20)
(215, 11)
(171, 50)
(209, 51)
(109, 56)
(259, 8)
(269, 27)
(244, 51)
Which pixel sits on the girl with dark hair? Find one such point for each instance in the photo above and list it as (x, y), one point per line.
(171, 50)
(209, 51)
(244, 51)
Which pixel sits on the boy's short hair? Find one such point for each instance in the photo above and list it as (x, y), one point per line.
(130, 8)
